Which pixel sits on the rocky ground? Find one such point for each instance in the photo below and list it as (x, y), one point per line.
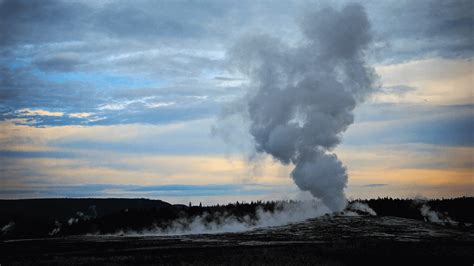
(335, 240)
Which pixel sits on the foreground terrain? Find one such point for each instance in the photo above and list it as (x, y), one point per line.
(328, 240)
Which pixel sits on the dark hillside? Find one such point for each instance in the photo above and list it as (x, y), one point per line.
(61, 217)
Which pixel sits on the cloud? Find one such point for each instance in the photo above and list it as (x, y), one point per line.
(77, 57)
(394, 157)
(375, 185)
(25, 22)
(80, 115)
(412, 123)
(433, 81)
(73, 77)
(397, 89)
(416, 178)
(37, 112)
(159, 104)
(62, 62)
(112, 106)
(410, 30)
(33, 159)
(111, 190)
(147, 102)
(35, 154)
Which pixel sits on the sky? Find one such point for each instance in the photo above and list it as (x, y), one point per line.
(121, 99)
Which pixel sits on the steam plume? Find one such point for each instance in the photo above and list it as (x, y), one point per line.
(7, 228)
(301, 97)
(211, 223)
(359, 207)
(432, 216)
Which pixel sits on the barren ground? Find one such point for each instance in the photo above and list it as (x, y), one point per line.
(338, 240)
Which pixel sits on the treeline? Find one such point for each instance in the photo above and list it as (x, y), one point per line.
(60, 217)
(167, 217)
(457, 209)
(27, 218)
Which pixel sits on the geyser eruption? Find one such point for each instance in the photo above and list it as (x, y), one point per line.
(301, 97)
